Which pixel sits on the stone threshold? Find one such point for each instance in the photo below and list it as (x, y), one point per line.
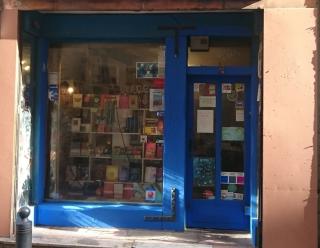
(133, 238)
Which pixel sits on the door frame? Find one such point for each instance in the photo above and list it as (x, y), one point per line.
(238, 218)
(251, 72)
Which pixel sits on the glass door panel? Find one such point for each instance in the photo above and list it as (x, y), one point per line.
(203, 144)
(232, 145)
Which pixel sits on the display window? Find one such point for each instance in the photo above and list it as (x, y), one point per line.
(106, 122)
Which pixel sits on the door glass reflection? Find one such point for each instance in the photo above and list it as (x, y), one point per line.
(203, 144)
(232, 145)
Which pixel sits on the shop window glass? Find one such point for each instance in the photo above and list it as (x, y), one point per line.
(232, 145)
(203, 144)
(219, 51)
(105, 122)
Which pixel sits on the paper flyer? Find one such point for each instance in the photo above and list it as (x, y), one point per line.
(205, 120)
(207, 101)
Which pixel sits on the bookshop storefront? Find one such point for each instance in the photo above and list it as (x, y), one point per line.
(144, 120)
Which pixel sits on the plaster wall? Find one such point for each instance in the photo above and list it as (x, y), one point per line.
(8, 69)
(289, 129)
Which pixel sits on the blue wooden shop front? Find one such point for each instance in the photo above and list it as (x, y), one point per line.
(51, 28)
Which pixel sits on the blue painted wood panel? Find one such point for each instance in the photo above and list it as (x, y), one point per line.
(175, 131)
(96, 215)
(217, 213)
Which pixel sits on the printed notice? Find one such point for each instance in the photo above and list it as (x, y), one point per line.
(226, 88)
(196, 87)
(239, 115)
(205, 121)
(207, 101)
(53, 78)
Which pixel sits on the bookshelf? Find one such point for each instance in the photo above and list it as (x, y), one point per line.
(118, 146)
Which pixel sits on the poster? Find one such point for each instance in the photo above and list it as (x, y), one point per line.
(239, 115)
(205, 120)
(239, 87)
(226, 88)
(53, 78)
(156, 100)
(207, 101)
(196, 87)
(232, 133)
(147, 70)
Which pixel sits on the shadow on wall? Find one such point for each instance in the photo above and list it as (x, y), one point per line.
(315, 180)
(314, 183)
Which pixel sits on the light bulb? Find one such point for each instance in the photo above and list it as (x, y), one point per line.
(26, 68)
(70, 90)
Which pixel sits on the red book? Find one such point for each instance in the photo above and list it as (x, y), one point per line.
(128, 191)
(108, 190)
(124, 102)
(159, 150)
(150, 151)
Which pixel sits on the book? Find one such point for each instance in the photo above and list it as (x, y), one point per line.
(150, 174)
(112, 173)
(133, 102)
(124, 173)
(128, 191)
(123, 101)
(159, 174)
(108, 190)
(87, 100)
(159, 150)
(75, 124)
(118, 190)
(135, 172)
(150, 150)
(77, 100)
(150, 194)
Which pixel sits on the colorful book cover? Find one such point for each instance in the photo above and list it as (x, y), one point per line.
(150, 194)
(150, 150)
(232, 133)
(118, 190)
(133, 102)
(112, 173)
(108, 190)
(123, 102)
(159, 150)
(87, 100)
(77, 100)
(150, 174)
(135, 174)
(159, 175)
(128, 191)
(124, 173)
(203, 171)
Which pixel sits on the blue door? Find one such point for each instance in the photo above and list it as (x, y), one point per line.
(218, 165)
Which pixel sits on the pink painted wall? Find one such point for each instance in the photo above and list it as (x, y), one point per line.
(8, 57)
(289, 129)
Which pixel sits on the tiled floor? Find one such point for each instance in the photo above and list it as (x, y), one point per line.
(130, 238)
